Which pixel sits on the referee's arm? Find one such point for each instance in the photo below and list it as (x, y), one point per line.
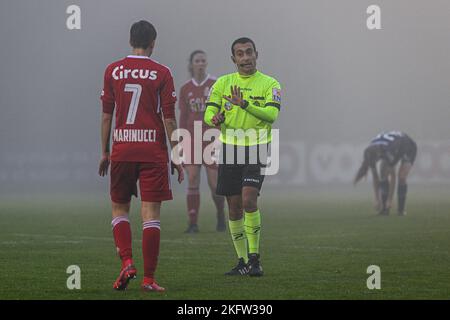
(213, 104)
(269, 113)
(211, 110)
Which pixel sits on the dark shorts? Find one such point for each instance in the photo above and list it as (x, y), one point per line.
(154, 181)
(410, 152)
(237, 174)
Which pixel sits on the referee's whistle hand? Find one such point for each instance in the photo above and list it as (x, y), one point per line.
(218, 118)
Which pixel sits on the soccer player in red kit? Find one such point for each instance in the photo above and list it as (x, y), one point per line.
(192, 98)
(143, 95)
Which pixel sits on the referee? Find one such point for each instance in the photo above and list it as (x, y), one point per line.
(245, 101)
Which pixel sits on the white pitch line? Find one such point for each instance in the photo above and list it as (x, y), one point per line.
(67, 239)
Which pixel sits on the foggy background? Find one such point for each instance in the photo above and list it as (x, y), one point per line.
(341, 83)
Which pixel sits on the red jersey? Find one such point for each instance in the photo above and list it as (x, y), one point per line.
(192, 102)
(142, 92)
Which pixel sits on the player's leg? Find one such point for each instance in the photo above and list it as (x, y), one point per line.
(123, 186)
(403, 171)
(252, 180)
(219, 201)
(154, 183)
(122, 231)
(252, 227)
(252, 183)
(238, 235)
(151, 235)
(252, 218)
(122, 237)
(229, 184)
(193, 196)
(384, 186)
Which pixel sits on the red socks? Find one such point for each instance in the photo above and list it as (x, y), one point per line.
(150, 244)
(122, 238)
(150, 248)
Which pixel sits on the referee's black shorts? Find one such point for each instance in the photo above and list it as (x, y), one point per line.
(241, 170)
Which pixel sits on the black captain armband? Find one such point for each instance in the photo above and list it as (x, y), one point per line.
(273, 104)
(212, 104)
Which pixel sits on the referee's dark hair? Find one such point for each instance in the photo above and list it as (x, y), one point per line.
(142, 34)
(242, 41)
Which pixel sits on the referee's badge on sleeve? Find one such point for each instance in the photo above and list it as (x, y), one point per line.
(228, 106)
(276, 95)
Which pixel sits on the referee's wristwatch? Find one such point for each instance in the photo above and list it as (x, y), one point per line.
(244, 104)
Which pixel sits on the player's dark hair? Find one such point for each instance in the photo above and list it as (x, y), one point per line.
(242, 41)
(370, 159)
(142, 34)
(191, 59)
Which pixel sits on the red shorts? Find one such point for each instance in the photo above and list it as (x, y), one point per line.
(154, 181)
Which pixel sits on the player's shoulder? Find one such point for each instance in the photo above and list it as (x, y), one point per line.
(115, 63)
(186, 85)
(148, 63)
(161, 66)
(210, 80)
(267, 78)
(162, 70)
(226, 78)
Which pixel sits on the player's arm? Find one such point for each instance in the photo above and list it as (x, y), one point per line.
(376, 187)
(171, 126)
(182, 105)
(184, 111)
(269, 112)
(213, 117)
(108, 102)
(105, 138)
(168, 100)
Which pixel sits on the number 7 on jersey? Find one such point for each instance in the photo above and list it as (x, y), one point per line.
(136, 90)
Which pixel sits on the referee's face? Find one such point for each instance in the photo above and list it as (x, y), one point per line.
(245, 58)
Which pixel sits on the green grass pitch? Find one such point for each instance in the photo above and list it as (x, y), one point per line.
(313, 246)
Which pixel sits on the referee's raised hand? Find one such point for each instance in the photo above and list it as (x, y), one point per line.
(237, 97)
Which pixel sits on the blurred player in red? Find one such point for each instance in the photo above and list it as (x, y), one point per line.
(192, 98)
(142, 93)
